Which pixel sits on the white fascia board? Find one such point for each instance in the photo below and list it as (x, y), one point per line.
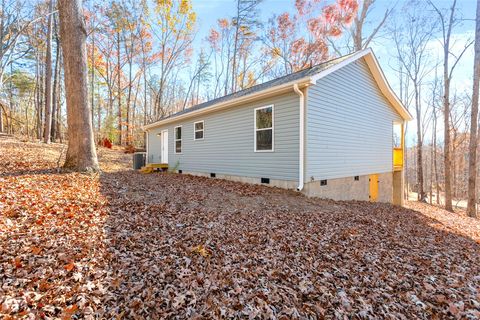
(229, 103)
(385, 87)
(342, 64)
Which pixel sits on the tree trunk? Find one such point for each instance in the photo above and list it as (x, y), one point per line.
(446, 112)
(3, 110)
(119, 92)
(446, 153)
(421, 191)
(235, 48)
(435, 162)
(472, 162)
(453, 163)
(431, 167)
(92, 81)
(99, 121)
(1, 121)
(81, 153)
(55, 92)
(48, 77)
(58, 116)
(38, 96)
(129, 98)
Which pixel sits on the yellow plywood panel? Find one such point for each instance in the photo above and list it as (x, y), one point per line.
(398, 158)
(158, 165)
(373, 187)
(146, 170)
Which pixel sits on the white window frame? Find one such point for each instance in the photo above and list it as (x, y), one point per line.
(195, 130)
(255, 128)
(175, 140)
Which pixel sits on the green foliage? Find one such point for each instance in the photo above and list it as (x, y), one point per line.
(21, 82)
(175, 167)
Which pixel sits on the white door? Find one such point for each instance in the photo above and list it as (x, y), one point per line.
(164, 154)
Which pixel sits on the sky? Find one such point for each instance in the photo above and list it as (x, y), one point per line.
(209, 11)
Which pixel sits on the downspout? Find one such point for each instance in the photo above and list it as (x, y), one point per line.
(302, 138)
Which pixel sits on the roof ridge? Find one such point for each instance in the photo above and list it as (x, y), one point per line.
(309, 71)
(275, 79)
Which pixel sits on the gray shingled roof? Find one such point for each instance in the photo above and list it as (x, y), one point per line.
(266, 85)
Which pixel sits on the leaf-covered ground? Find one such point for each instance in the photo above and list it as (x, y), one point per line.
(126, 245)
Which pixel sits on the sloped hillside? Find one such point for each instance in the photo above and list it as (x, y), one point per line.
(122, 244)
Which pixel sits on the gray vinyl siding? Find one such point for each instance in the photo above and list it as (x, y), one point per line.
(228, 145)
(349, 125)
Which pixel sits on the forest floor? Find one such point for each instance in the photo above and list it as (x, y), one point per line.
(121, 244)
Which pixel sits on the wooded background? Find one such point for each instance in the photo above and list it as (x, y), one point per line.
(143, 65)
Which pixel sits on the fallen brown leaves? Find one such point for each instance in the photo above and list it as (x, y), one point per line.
(457, 222)
(127, 245)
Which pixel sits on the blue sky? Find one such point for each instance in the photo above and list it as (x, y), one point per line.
(209, 11)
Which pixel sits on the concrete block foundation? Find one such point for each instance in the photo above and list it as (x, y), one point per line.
(284, 184)
(337, 189)
(350, 189)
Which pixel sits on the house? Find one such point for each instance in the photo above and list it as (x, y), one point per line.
(334, 130)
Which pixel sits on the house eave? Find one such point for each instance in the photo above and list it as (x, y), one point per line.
(367, 54)
(283, 88)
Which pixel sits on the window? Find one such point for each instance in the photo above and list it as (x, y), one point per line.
(198, 130)
(178, 139)
(264, 129)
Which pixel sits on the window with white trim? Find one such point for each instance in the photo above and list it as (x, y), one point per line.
(198, 130)
(178, 139)
(264, 128)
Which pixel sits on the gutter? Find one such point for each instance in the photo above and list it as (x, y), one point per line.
(369, 58)
(302, 138)
(229, 103)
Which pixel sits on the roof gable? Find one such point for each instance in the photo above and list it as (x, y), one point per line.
(378, 76)
(309, 75)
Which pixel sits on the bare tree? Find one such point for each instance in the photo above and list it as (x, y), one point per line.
(48, 77)
(447, 22)
(361, 42)
(246, 17)
(81, 153)
(356, 38)
(472, 162)
(434, 136)
(14, 20)
(55, 89)
(411, 39)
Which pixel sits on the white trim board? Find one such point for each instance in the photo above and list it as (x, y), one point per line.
(255, 128)
(175, 140)
(195, 131)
